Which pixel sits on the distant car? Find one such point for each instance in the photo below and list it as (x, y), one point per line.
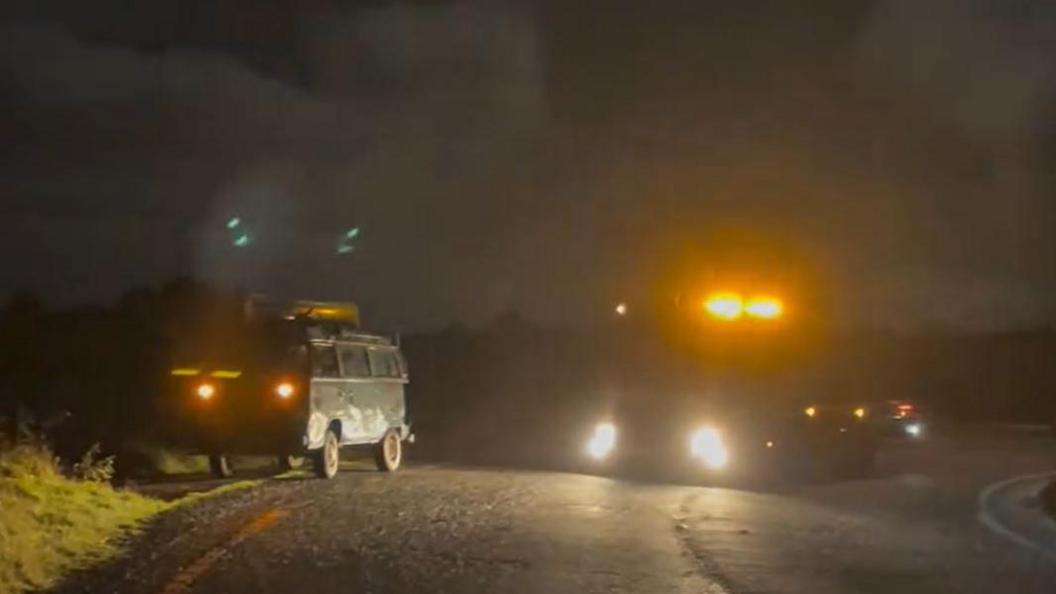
(900, 418)
(303, 380)
(833, 440)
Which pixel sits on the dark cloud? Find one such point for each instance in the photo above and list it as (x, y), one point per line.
(543, 156)
(984, 72)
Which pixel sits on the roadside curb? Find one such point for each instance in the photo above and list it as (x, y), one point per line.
(1012, 510)
(1048, 499)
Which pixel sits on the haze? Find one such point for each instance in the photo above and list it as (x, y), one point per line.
(542, 157)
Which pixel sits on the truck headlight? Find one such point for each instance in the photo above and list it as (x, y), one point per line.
(602, 442)
(705, 444)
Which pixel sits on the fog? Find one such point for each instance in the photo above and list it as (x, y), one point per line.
(534, 156)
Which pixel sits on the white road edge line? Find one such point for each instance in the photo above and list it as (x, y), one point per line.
(1026, 426)
(987, 518)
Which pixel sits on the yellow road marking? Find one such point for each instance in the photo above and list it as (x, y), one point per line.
(185, 578)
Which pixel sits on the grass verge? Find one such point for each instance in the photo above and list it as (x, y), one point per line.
(192, 498)
(51, 525)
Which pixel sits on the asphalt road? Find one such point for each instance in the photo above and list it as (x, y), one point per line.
(912, 528)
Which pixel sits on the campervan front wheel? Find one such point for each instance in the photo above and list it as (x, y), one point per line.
(219, 465)
(325, 460)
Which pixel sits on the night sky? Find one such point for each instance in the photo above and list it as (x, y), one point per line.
(548, 157)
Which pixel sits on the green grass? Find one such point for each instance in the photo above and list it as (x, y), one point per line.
(221, 490)
(50, 525)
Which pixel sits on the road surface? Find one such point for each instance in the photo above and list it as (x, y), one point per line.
(912, 528)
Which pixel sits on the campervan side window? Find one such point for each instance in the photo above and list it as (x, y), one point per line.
(324, 361)
(354, 361)
(383, 363)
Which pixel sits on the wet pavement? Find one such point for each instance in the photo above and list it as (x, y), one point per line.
(911, 528)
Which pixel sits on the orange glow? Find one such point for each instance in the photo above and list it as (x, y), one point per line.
(859, 412)
(206, 391)
(810, 411)
(764, 308)
(284, 390)
(724, 306)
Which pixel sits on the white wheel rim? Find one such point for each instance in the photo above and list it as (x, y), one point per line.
(392, 451)
(331, 456)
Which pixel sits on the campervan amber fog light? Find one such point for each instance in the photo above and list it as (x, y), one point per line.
(206, 391)
(285, 390)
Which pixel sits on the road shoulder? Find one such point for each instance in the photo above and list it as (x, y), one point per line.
(1012, 509)
(1047, 496)
(176, 538)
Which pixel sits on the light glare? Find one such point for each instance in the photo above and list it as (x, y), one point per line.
(206, 391)
(724, 306)
(602, 442)
(284, 390)
(706, 445)
(764, 308)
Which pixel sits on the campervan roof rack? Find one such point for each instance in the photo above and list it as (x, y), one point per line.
(345, 312)
(348, 336)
